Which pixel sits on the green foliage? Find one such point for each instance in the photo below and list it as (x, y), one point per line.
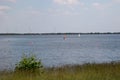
(29, 64)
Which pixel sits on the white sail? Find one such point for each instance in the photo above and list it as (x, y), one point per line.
(78, 35)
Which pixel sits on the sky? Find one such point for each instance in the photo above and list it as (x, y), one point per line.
(54, 16)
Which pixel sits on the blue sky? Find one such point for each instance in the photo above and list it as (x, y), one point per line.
(42, 16)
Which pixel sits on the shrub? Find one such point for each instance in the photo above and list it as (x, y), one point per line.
(29, 64)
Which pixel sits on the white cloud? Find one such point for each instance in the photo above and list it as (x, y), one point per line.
(98, 6)
(3, 13)
(67, 2)
(13, 1)
(29, 11)
(69, 7)
(4, 8)
(113, 2)
(116, 1)
(58, 12)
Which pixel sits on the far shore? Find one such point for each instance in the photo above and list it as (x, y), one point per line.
(60, 33)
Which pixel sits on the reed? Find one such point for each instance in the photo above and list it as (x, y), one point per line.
(103, 71)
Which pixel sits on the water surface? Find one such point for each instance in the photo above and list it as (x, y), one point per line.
(53, 50)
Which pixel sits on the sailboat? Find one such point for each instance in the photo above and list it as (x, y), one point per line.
(78, 35)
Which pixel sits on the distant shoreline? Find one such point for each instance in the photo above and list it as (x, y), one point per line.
(58, 33)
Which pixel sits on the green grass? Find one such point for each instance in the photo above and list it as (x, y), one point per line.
(104, 71)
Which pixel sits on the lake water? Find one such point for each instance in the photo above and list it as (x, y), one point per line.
(53, 50)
